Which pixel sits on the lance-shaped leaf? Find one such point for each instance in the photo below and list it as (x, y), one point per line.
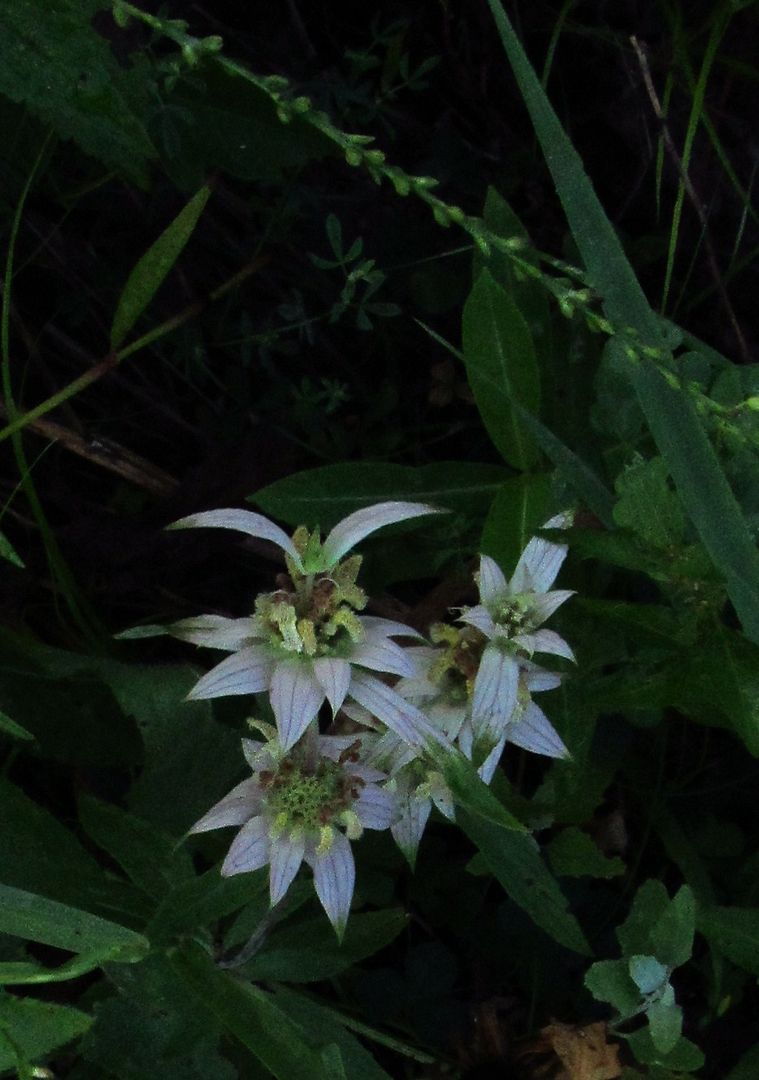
(149, 273)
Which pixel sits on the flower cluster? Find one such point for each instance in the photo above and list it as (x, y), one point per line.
(308, 644)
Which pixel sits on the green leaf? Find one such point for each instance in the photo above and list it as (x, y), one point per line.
(149, 857)
(734, 932)
(501, 367)
(472, 793)
(733, 675)
(190, 759)
(610, 981)
(319, 1022)
(10, 727)
(665, 1024)
(150, 271)
(201, 902)
(252, 1017)
(672, 935)
(233, 127)
(670, 414)
(515, 861)
(22, 973)
(572, 853)
(54, 62)
(647, 973)
(325, 495)
(73, 716)
(703, 489)
(154, 1018)
(40, 854)
(31, 1029)
(306, 951)
(650, 903)
(518, 509)
(35, 918)
(685, 1056)
(647, 505)
(9, 553)
(528, 294)
(609, 270)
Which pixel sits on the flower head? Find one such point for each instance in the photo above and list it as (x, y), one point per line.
(303, 804)
(510, 616)
(306, 642)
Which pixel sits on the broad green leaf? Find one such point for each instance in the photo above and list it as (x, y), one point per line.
(733, 674)
(54, 62)
(610, 981)
(670, 414)
(518, 509)
(200, 902)
(501, 367)
(154, 1018)
(734, 932)
(72, 715)
(9, 553)
(35, 1028)
(527, 293)
(685, 1056)
(515, 861)
(39, 854)
(325, 495)
(252, 1016)
(647, 973)
(647, 506)
(650, 903)
(572, 853)
(150, 271)
(665, 1024)
(648, 623)
(672, 935)
(35, 918)
(149, 857)
(306, 951)
(10, 727)
(234, 128)
(190, 759)
(320, 1022)
(571, 467)
(703, 489)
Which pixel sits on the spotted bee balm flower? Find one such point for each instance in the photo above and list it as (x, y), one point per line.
(510, 618)
(303, 804)
(306, 642)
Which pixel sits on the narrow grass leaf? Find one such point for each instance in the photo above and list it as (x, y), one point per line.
(674, 425)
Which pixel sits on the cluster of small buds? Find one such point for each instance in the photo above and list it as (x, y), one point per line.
(307, 643)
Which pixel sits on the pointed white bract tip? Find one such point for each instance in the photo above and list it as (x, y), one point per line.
(245, 521)
(354, 528)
